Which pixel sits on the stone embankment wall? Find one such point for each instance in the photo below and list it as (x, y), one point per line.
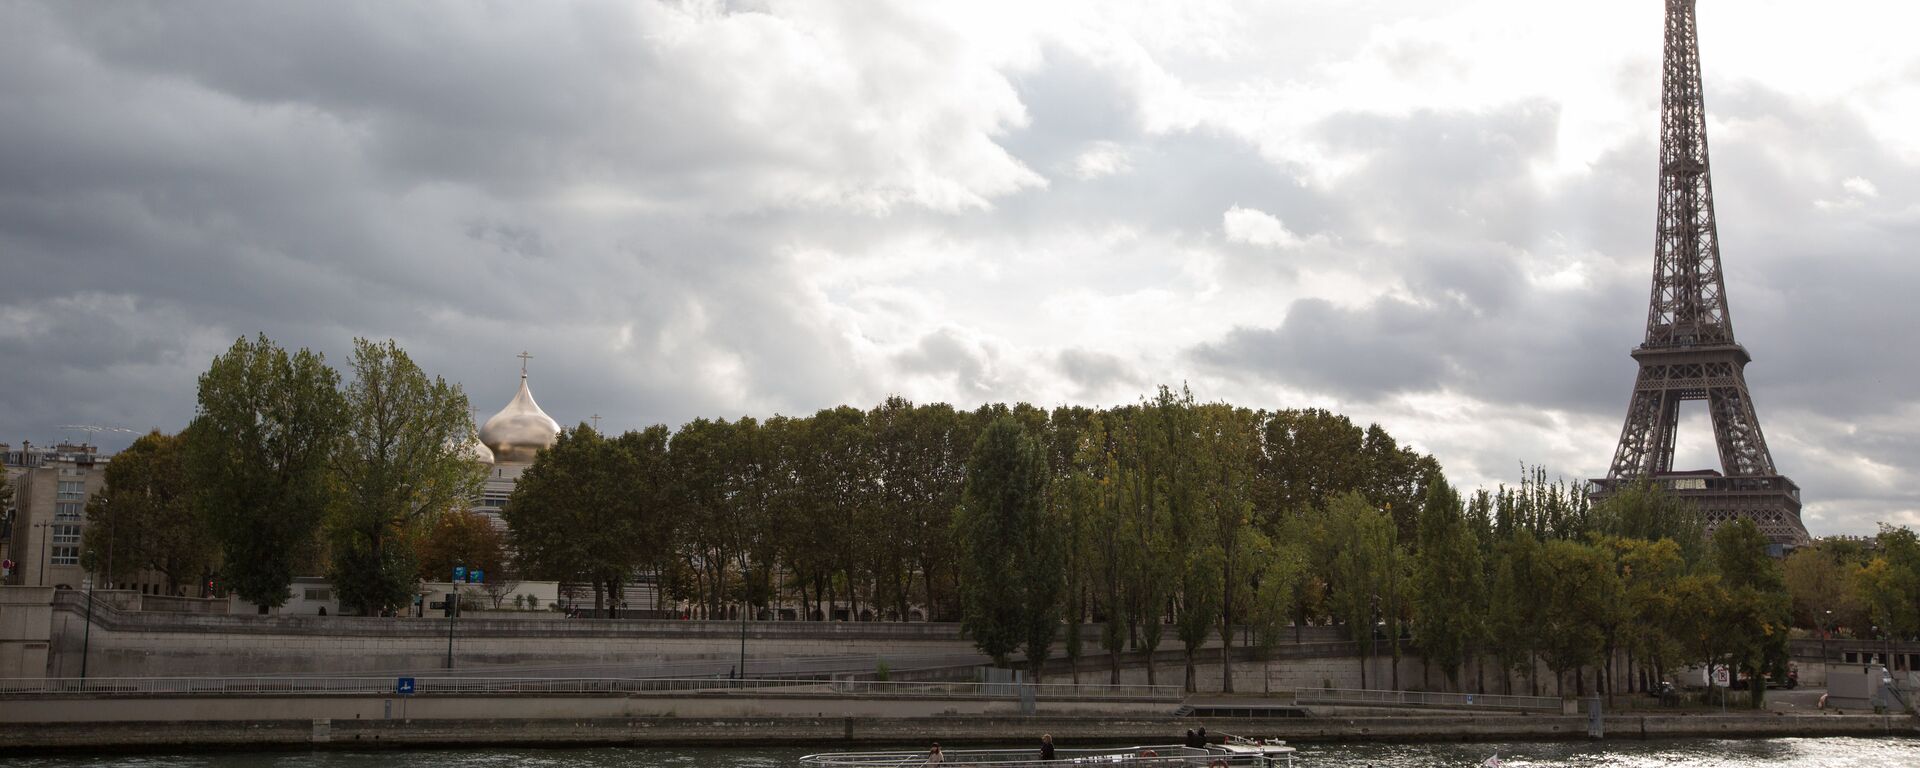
(125, 643)
(856, 731)
(25, 618)
(67, 709)
(128, 644)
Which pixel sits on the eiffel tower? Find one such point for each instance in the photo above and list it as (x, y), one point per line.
(1689, 352)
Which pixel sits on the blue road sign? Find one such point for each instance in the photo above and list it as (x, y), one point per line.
(403, 686)
(459, 573)
(477, 576)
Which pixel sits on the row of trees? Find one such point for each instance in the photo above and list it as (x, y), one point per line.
(859, 512)
(285, 470)
(1164, 520)
(1158, 520)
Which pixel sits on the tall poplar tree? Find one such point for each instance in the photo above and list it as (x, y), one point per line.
(1011, 565)
(258, 453)
(1449, 593)
(1363, 538)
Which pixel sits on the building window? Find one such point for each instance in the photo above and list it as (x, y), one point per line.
(65, 556)
(319, 595)
(66, 534)
(73, 489)
(68, 510)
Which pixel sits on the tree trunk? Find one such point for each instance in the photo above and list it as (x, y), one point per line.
(1190, 682)
(1113, 661)
(1395, 671)
(1226, 658)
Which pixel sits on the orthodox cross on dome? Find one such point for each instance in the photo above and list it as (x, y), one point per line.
(524, 357)
(596, 422)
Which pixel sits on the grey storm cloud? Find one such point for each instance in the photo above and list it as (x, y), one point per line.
(711, 209)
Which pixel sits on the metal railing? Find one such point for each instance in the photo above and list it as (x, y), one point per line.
(1154, 756)
(1369, 698)
(508, 686)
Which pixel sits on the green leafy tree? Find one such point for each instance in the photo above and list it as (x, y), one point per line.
(1649, 571)
(1363, 537)
(1199, 602)
(1647, 512)
(145, 517)
(401, 459)
(257, 456)
(1754, 618)
(712, 466)
(1011, 565)
(1278, 572)
(1449, 594)
(1515, 606)
(1229, 440)
(1583, 593)
(1819, 583)
(920, 459)
(1308, 458)
(1889, 584)
(593, 510)
(1699, 621)
(463, 538)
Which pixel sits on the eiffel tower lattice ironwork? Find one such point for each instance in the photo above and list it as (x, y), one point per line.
(1690, 352)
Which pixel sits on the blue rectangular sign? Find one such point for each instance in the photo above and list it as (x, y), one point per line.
(476, 576)
(459, 573)
(403, 686)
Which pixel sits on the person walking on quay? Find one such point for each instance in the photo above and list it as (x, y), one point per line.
(1046, 746)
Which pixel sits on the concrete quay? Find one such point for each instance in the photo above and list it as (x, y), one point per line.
(83, 725)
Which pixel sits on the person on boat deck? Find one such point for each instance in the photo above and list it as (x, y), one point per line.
(1046, 746)
(933, 755)
(1190, 741)
(1200, 736)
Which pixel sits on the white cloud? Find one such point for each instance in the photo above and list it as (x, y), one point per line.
(1254, 227)
(702, 208)
(1103, 158)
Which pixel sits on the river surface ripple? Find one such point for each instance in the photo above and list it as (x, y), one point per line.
(1706, 753)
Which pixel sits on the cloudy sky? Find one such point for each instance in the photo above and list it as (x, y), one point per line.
(1434, 215)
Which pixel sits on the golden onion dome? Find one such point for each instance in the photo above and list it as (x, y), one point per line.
(478, 452)
(519, 430)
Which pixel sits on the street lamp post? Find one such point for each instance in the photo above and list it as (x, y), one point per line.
(453, 608)
(453, 617)
(745, 601)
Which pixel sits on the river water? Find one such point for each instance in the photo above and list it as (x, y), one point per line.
(1707, 753)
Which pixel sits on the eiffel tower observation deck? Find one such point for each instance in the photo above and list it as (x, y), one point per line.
(1690, 352)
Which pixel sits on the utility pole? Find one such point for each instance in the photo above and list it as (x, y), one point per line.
(453, 617)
